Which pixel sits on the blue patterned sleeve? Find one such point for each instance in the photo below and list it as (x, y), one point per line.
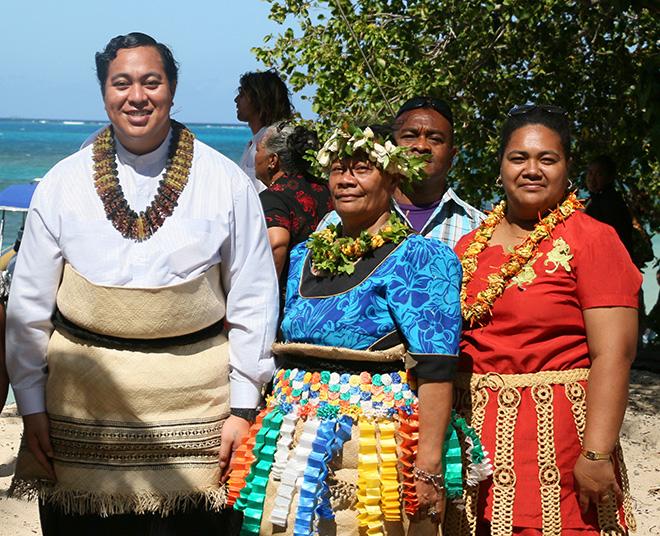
(296, 261)
(424, 297)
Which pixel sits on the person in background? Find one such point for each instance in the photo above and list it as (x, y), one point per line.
(4, 377)
(549, 300)
(262, 99)
(431, 207)
(606, 204)
(295, 200)
(140, 317)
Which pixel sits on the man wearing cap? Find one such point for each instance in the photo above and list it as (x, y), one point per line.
(433, 209)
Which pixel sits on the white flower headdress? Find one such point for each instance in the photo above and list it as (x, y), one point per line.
(345, 142)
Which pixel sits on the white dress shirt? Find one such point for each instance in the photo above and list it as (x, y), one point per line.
(218, 220)
(246, 162)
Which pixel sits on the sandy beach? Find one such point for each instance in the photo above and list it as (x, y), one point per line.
(640, 439)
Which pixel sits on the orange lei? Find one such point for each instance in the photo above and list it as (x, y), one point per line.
(480, 310)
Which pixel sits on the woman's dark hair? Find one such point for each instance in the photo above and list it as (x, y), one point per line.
(268, 94)
(290, 143)
(134, 40)
(548, 116)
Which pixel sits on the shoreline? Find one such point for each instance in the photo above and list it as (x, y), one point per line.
(640, 439)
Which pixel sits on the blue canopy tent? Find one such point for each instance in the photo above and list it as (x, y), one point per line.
(14, 198)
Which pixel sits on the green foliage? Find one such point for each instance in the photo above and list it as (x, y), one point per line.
(599, 60)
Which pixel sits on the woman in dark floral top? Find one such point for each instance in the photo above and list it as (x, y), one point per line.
(294, 202)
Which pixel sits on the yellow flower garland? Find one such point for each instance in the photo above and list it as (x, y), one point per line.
(480, 310)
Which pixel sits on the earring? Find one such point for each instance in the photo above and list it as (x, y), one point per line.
(498, 181)
(570, 184)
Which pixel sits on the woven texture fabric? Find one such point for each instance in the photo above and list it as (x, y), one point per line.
(133, 432)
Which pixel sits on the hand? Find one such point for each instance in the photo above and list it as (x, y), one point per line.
(431, 502)
(595, 482)
(233, 432)
(37, 436)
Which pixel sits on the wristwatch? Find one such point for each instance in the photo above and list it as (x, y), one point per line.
(594, 456)
(248, 414)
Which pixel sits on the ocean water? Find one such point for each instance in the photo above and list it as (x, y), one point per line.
(30, 147)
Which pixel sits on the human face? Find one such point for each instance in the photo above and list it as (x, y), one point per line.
(138, 98)
(534, 171)
(244, 107)
(426, 131)
(595, 180)
(360, 192)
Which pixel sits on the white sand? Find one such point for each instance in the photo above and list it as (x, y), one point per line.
(640, 439)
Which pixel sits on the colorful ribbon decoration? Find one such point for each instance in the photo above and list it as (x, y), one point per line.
(253, 495)
(408, 434)
(389, 477)
(384, 408)
(284, 445)
(243, 458)
(368, 493)
(342, 434)
(293, 472)
(311, 484)
(452, 460)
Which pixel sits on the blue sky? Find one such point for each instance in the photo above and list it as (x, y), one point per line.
(47, 53)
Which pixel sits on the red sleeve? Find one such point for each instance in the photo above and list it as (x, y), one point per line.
(606, 276)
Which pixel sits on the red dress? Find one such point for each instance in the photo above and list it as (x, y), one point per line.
(537, 325)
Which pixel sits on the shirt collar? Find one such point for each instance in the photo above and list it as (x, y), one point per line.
(159, 154)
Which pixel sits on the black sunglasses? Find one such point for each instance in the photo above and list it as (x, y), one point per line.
(527, 108)
(438, 105)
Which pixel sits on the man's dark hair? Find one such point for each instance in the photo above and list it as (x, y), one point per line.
(537, 115)
(134, 40)
(606, 165)
(268, 94)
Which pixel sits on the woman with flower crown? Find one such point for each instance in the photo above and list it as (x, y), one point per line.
(549, 301)
(358, 434)
(140, 320)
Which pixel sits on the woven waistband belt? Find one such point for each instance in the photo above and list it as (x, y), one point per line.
(316, 364)
(65, 325)
(495, 381)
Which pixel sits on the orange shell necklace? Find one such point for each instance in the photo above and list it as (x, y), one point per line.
(478, 312)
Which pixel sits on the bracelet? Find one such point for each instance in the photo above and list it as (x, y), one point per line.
(437, 480)
(248, 414)
(593, 456)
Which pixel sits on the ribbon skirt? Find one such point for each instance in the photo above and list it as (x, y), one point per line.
(334, 452)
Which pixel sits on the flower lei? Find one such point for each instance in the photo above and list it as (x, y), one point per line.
(335, 254)
(480, 310)
(348, 140)
(140, 227)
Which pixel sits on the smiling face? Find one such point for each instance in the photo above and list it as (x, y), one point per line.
(360, 191)
(426, 131)
(534, 171)
(138, 98)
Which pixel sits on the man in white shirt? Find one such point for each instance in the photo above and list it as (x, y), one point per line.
(262, 100)
(125, 314)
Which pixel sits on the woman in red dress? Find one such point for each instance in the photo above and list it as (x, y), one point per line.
(549, 303)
